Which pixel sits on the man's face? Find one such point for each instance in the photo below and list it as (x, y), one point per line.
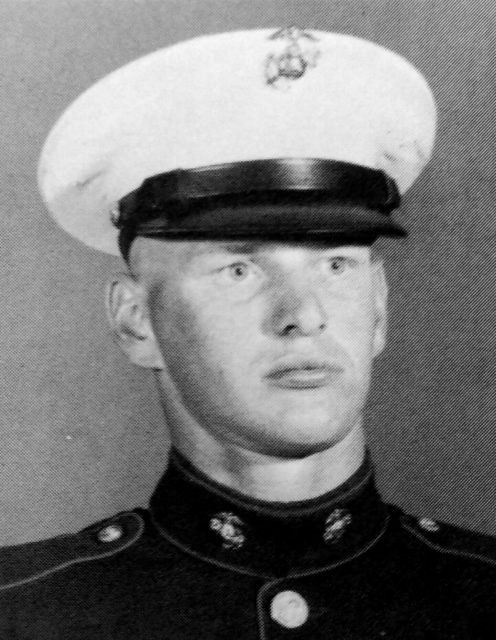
(266, 345)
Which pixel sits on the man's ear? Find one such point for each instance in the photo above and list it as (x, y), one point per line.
(380, 304)
(127, 313)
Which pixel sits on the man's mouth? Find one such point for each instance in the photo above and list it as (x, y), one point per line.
(303, 374)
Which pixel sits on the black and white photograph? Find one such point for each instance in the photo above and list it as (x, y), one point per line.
(248, 320)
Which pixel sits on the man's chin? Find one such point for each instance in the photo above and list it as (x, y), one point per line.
(296, 452)
(297, 449)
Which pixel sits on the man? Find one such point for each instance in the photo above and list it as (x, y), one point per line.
(244, 178)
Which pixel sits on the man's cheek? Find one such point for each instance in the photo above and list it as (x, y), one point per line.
(174, 335)
(357, 322)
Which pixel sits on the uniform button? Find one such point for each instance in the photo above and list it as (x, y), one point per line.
(428, 524)
(289, 609)
(110, 533)
(115, 215)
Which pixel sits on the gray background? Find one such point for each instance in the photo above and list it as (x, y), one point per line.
(81, 431)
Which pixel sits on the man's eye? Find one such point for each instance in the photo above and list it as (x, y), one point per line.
(236, 272)
(337, 265)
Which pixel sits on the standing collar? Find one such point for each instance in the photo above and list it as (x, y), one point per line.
(272, 539)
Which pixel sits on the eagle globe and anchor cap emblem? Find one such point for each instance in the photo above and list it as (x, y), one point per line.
(297, 53)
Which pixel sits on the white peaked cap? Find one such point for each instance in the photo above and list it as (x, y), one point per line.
(218, 99)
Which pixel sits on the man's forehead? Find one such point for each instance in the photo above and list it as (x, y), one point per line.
(202, 247)
(159, 251)
(263, 246)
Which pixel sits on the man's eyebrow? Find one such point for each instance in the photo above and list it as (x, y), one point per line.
(241, 247)
(229, 247)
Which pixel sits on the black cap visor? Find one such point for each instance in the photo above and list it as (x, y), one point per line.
(323, 221)
(300, 199)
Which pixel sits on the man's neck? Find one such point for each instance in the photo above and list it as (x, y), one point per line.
(271, 478)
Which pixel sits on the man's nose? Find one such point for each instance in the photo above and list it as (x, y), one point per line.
(298, 312)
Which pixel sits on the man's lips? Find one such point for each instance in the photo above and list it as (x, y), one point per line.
(302, 374)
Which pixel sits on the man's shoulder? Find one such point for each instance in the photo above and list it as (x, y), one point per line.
(27, 563)
(447, 540)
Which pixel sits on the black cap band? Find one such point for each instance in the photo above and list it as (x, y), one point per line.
(161, 206)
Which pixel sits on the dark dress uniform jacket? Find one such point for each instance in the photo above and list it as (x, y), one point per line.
(205, 563)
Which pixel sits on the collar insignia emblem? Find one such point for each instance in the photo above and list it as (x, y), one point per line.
(230, 529)
(296, 52)
(336, 524)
